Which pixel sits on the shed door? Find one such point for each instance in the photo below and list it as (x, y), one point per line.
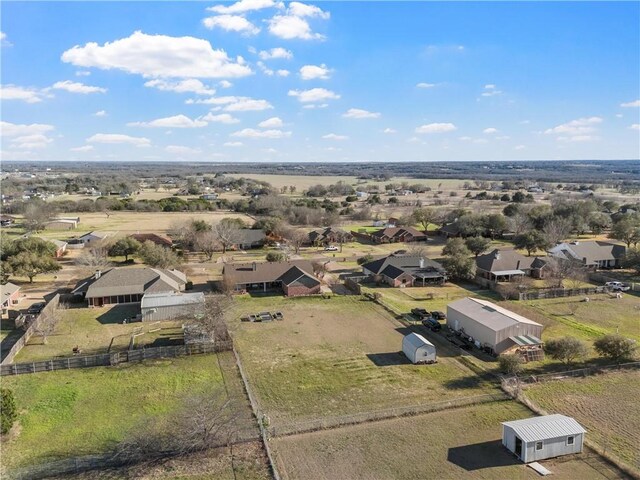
(518, 449)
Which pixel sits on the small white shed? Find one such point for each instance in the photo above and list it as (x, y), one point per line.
(418, 349)
(538, 438)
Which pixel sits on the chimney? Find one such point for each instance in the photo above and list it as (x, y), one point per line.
(254, 266)
(98, 274)
(497, 256)
(421, 262)
(518, 265)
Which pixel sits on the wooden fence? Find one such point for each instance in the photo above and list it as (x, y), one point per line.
(31, 329)
(559, 292)
(581, 372)
(110, 359)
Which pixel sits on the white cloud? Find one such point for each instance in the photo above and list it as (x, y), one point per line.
(312, 106)
(83, 73)
(481, 141)
(635, 103)
(216, 100)
(231, 23)
(84, 148)
(465, 138)
(283, 73)
(490, 86)
(100, 113)
(31, 142)
(277, 52)
(232, 144)
(273, 122)
(158, 56)
(503, 137)
(289, 27)
(359, 113)
(25, 94)
(313, 95)
(425, 85)
(389, 130)
(635, 126)
(243, 6)
(333, 136)
(225, 84)
(4, 41)
(519, 147)
(578, 138)
(77, 87)
(303, 10)
(8, 129)
(436, 128)
(312, 72)
(253, 133)
(190, 85)
(580, 126)
(116, 138)
(490, 90)
(176, 121)
(221, 118)
(181, 150)
(490, 131)
(245, 104)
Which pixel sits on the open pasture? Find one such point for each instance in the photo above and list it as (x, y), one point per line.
(452, 444)
(338, 356)
(606, 405)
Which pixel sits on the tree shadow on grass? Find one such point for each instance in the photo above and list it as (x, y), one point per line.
(471, 381)
(482, 455)
(118, 313)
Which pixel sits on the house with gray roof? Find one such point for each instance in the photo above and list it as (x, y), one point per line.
(405, 271)
(250, 238)
(329, 235)
(397, 234)
(293, 278)
(539, 438)
(128, 285)
(593, 254)
(505, 265)
(9, 295)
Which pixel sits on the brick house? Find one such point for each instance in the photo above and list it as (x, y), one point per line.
(405, 271)
(293, 278)
(505, 265)
(397, 234)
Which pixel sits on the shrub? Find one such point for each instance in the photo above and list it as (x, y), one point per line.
(510, 364)
(566, 349)
(615, 347)
(8, 410)
(275, 257)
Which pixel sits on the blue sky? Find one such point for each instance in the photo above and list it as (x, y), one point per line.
(259, 80)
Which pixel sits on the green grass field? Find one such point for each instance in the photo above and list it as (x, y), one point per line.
(606, 405)
(338, 356)
(83, 411)
(94, 329)
(453, 444)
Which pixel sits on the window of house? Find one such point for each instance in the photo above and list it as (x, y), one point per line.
(538, 445)
(570, 440)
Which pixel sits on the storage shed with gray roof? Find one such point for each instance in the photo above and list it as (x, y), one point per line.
(539, 438)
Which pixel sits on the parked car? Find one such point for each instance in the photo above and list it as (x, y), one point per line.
(617, 286)
(330, 248)
(36, 308)
(420, 313)
(439, 315)
(433, 324)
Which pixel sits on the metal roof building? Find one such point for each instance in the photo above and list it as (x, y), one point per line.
(491, 325)
(538, 438)
(418, 349)
(169, 306)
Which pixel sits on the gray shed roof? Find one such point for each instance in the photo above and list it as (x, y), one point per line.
(488, 314)
(545, 427)
(416, 340)
(154, 300)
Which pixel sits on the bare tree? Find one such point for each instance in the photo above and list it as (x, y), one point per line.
(94, 258)
(227, 234)
(296, 238)
(211, 320)
(208, 243)
(47, 322)
(558, 271)
(519, 223)
(556, 230)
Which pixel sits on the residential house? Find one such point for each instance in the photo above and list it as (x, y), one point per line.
(9, 295)
(397, 234)
(209, 196)
(405, 271)
(156, 238)
(293, 278)
(61, 247)
(250, 238)
(539, 438)
(451, 230)
(593, 254)
(495, 328)
(128, 285)
(505, 265)
(329, 235)
(92, 237)
(61, 224)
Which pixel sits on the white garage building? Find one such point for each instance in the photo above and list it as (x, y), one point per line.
(538, 438)
(418, 349)
(493, 326)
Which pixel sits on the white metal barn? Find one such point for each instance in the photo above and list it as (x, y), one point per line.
(491, 325)
(169, 306)
(418, 349)
(538, 438)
